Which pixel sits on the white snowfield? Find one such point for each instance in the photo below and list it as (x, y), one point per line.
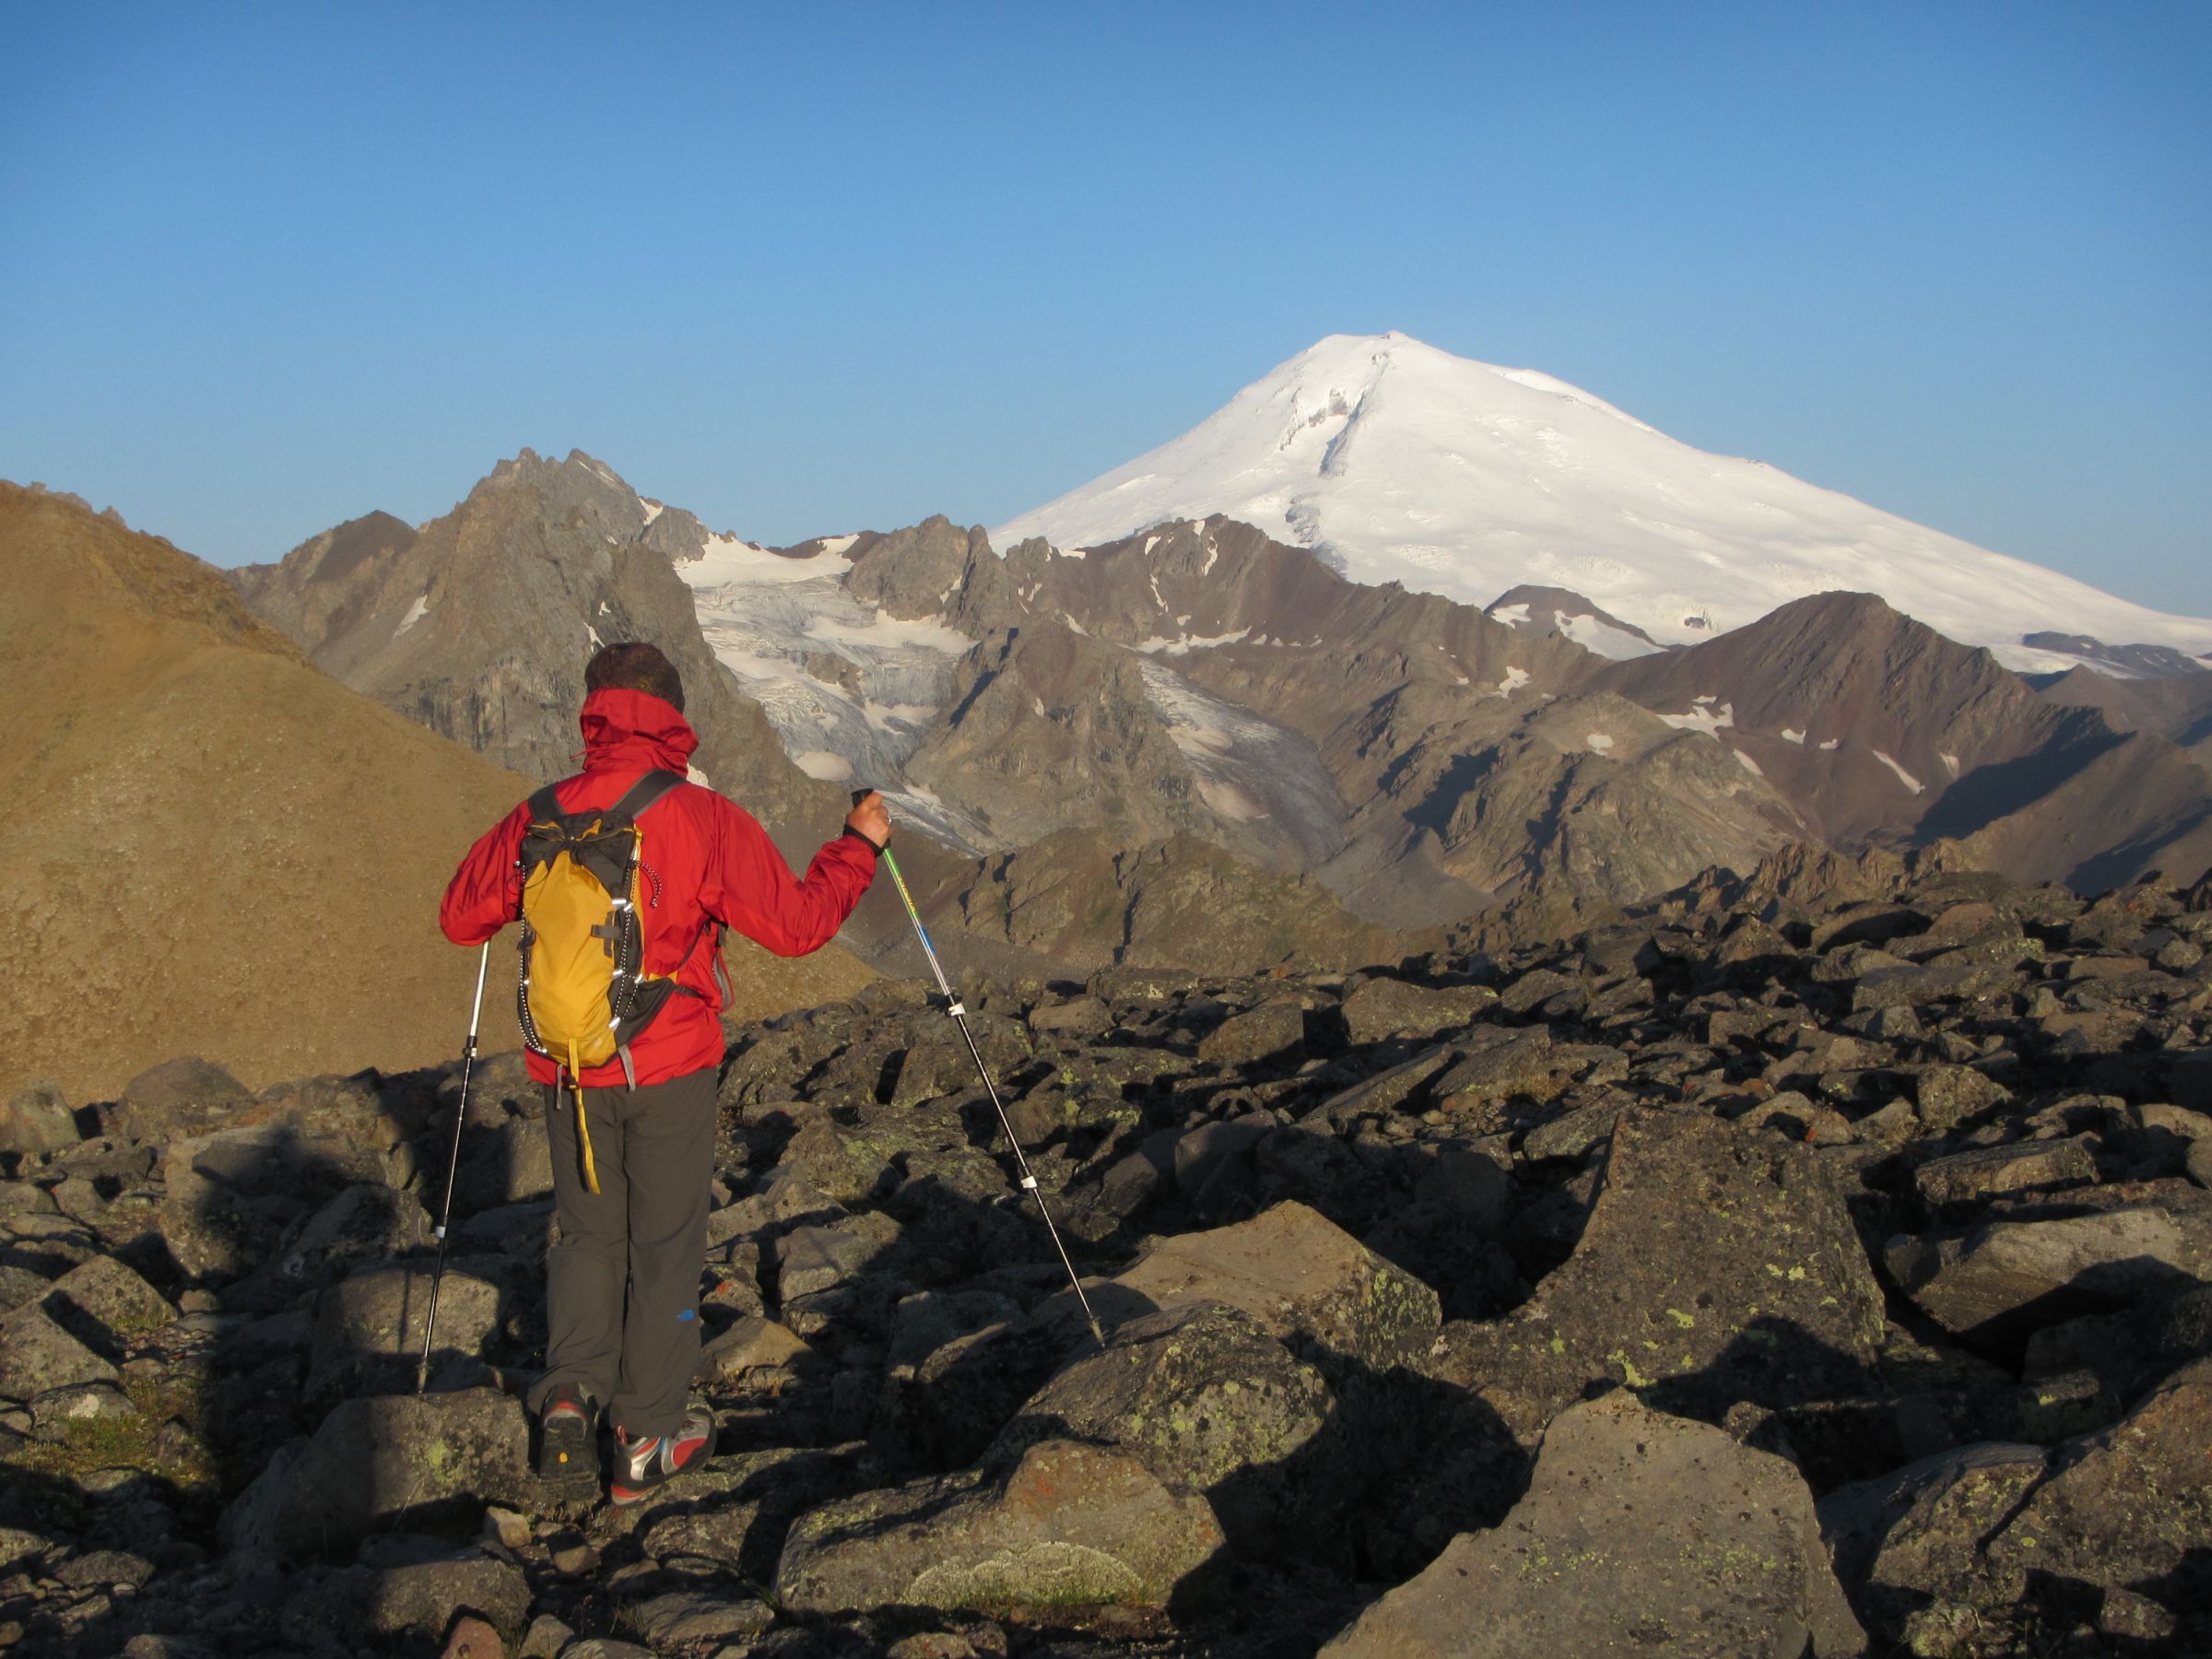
(1400, 462)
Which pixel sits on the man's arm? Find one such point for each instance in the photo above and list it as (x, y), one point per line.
(485, 892)
(749, 887)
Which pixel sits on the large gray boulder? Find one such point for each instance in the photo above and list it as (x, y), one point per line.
(36, 1354)
(1993, 1528)
(108, 1304)
(1639, 1532)
(737, 1510)
(187, 1096)
(1914, 1537)
(1994, 1284)
(1391, 1007)
(368, 1328)
(1719, 1265)
(2128, 1508)
(229, 1196)
(1210, 1402)
(1299, 1275)
(1066, 1525)
(37, 1120)
(384, 1464)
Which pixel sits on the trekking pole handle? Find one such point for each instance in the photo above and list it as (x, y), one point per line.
(913, 914)
(475, 1011)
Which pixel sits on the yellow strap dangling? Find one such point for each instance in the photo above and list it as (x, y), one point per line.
(583, 1130)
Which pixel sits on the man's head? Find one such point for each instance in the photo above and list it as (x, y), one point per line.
(632, 666)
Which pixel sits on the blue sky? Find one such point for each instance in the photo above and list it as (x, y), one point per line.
(811, 268)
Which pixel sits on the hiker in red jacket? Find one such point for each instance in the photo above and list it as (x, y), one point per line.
(630, 1189)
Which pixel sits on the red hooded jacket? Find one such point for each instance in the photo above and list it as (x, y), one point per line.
(714, 863)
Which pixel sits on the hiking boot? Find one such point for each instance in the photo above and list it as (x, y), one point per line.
(568, 1450)
(648, 1461)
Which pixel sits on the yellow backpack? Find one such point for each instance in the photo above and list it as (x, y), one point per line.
(583, 996)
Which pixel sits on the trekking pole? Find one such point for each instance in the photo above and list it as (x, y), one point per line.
(954, 1006)
(453, 1170)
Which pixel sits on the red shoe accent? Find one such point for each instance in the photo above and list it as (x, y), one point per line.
(653, 1460)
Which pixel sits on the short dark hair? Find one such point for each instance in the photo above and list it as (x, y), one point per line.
(632, 666)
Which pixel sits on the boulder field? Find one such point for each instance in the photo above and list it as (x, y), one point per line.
(1781, 1269)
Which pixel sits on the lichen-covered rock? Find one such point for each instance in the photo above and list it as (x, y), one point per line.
(1066, 1525)
(1299, 1275)
(107, 1305)
(36, 1354)
(1211, 1401)
(1391, 1007)
(1915, 1534)
(1639, 1532)
(229, 1196)
(360, 1224)
(2129, 1507)
(2004, 1530)
(1718, 1265)
(385, 1463)
(1274, 1032)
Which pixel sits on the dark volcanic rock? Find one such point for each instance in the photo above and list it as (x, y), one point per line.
(1998, 1282)
(382, 1463)
(1299, 1275)
(1719, 1265)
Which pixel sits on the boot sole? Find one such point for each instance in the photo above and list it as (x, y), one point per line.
(566, 1465)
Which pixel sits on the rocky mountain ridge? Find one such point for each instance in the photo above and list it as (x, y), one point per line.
(1851, 1215)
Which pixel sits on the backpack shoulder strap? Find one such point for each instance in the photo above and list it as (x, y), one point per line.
(644, 792)
(545, 804)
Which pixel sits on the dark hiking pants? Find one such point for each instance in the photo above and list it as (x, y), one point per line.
(622, 1284)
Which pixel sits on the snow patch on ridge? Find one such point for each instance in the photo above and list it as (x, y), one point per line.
(415, 614)
(1701, 716)
(1913, 784)
(728, 559)
(1182, 644)
(1601, 639)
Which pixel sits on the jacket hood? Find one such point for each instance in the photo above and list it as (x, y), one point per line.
(635, 731)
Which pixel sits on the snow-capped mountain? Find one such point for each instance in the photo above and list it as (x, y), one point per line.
(1399, 463)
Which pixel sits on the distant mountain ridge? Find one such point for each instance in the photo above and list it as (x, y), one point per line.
(1395, 461)
(480, 624)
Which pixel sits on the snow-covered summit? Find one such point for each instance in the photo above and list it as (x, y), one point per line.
(1398, 462)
